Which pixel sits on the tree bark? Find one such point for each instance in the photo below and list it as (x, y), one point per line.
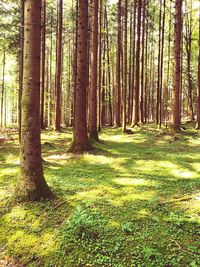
(93, 94)
(198, 89)
(125, 65)
(137, 78)
(32, 185)
(80, 142)
(177, 66)
(118, 70)
(58, 66)
(43, 64)
(21, 67)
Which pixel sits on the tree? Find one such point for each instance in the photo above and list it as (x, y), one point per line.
(93, 94)
(21, 52)
(80, 142)
(177, 66)
(58, 66)
(125, 65)
(32, 185)
(198, 90)
(118, 69)
(43, 64)
(137, 78)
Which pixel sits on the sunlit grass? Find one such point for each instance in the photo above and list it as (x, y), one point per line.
(146, 188)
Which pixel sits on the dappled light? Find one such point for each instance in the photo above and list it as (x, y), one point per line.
(142, 191)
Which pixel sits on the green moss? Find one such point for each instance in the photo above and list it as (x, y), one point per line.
(140, 198)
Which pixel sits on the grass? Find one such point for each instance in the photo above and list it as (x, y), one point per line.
(135, 201)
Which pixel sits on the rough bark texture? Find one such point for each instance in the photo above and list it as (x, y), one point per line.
(118, 74)
(32, 185)
(58, 66)
(177, 64)
(93, 95)
(80, 143)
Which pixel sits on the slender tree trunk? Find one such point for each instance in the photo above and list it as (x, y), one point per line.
(21, 67)
(137, 78)
(118, 70)
(32, 185)
(58, 79)
(93, 95)
(109, 72)
(43, 65)
(100, 65)
(130, 70)
(80, 143)
(133, 69)
(51, 73)
(142, 59)
(198, 90)
(177, 66)
(125, 65)
(159, 64)
(3, 86)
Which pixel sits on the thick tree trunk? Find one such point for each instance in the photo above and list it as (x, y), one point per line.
(177, 65)
(32, 184)
(80, 143)
(58, 66)
(93, 94)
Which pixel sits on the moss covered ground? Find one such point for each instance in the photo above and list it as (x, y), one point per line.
(133, 201)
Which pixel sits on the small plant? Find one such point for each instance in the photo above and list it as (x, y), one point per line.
(126, 227)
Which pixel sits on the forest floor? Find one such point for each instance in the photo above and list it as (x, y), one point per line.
(134, 201)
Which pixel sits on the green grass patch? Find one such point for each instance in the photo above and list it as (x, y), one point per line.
(134, 201)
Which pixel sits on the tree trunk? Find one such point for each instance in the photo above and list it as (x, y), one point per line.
(133, 62)
(198, 90)
(159, 64)
(125, 65)
(3, 103)
(80, 142)
(21, 67)
(58, 66)
(177, 66)
(93, 94)
(118, 70)
(100, 65)
(32, 184)
(43, 64)
(137, 78)
(142, 59)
